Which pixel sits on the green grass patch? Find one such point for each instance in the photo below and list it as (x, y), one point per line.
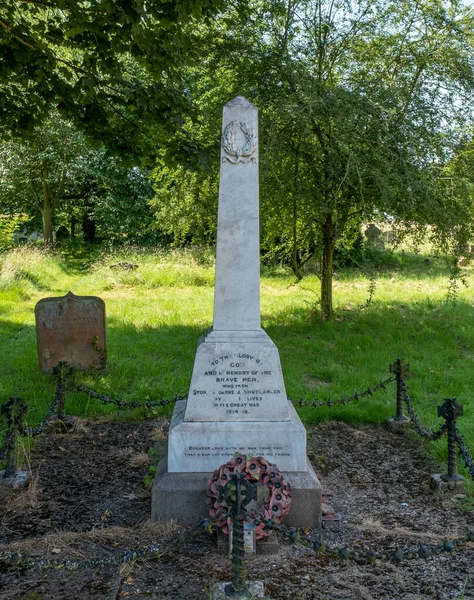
(157, 312)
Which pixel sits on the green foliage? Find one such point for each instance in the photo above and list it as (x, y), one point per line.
(9, 224)
(362, 110)
(56, 172)
(110, 67)
(185, 206)
(30, 270)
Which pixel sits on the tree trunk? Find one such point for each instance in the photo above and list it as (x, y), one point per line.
(295, 258)
(296, 262)
(48, 207)
(88, 228)
(329, 241)
(47, 214)
(88, 221)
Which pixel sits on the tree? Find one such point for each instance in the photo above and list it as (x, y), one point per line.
(357, 100)
(110, 67)
(35, 175)
(56, 171)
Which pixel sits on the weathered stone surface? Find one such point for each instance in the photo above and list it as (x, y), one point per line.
(255, 590)
(237, 399)
(237, 381)
(372, 233)
(237, 288)
(195, 447)
(12, 485)
(71, 329)
(398, 424)
(438, 483)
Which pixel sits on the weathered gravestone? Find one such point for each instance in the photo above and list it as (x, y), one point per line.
(373, 234)
(237, 399)
(71, 329)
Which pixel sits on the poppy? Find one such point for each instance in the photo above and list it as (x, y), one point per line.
(253, 468)
(240, 460)
(224, 473)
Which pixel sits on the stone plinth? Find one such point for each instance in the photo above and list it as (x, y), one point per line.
(197, 447)
(398, 424)
(438, 483)
(182, 496)
(13, 484)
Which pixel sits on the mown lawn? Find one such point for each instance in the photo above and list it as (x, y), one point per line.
(156, 314)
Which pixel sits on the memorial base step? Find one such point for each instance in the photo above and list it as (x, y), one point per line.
(182, 497)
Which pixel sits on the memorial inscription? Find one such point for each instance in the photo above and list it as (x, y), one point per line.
(237, 384)
(193, 447)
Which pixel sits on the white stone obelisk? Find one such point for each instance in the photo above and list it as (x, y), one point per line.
(237, 284)
(237, 399)
(236, 356)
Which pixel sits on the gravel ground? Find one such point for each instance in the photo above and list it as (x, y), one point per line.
(87, 499)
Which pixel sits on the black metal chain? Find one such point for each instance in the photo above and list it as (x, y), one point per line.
(125, 404)
(464, 452)
(426, 433)
(20, 561)
(342, 401)
(397, 555)
(362, 556)
(38, 429)
(17, 560)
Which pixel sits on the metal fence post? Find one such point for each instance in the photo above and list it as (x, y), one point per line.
(61, 371)
(15, 411)
(398, 422)
(238, 493)
(449, 411)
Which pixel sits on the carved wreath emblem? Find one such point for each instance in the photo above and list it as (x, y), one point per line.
(229, 143)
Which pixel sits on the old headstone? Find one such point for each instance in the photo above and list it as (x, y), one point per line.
(71, 329)
(237, 399)
(372, 233)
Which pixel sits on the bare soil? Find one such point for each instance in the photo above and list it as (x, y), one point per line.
(87, 499)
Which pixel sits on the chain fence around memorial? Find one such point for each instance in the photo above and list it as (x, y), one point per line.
(65, 376)
(303, 536)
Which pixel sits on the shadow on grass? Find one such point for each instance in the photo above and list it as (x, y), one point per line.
(320, 360)
(77, 257)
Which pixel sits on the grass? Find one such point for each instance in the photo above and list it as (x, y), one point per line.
(156, 314)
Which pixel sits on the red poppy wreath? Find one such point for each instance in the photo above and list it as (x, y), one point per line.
(276, 503)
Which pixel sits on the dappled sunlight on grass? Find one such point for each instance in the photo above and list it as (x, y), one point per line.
(157, 312)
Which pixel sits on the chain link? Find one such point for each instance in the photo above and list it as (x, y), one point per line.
(125, 404)
(19, 560)
(464, 452)
(363, 556)
(370, 556)
(342, 401)
(417, 426)
(38, 429)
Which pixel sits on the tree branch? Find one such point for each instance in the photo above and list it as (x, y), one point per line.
(18, 39)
